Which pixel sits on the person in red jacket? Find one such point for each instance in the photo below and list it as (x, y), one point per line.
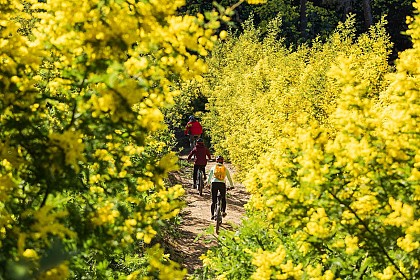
(201, 153)
(194, 130)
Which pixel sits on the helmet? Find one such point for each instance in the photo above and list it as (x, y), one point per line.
(200, 140)
(219, 159)
(192, 118)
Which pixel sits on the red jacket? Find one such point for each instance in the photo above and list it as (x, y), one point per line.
(200, 151)
(193, 128)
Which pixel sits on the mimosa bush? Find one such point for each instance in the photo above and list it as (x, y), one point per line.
(257, 89)
(337, 185)
(84, 149)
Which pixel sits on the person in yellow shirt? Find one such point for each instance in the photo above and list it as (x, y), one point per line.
(217, 180)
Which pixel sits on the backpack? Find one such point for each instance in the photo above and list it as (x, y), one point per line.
(220, 172)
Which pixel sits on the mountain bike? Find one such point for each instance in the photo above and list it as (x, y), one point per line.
(218, 217)
(200, 181)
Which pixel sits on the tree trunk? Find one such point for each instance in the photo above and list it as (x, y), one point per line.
(367, 12)
(303, 19)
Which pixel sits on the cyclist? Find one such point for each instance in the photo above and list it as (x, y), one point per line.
(193, 129)
(217, 176)
(201, 153)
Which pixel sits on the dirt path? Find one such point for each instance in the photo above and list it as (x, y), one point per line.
(193, 240)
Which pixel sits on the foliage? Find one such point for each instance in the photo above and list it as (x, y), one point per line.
(396, 12)
(323, 16)
(327, 139)
(278, 86)
(189, 99)
(84, 151)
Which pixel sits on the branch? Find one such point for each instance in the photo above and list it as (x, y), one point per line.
(375, 238)
(75, 104)
(234, 6)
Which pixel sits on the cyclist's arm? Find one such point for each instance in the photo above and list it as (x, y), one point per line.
(208, 154)
(191, 154)
(210, 176)
(229, 177)
(187, 128)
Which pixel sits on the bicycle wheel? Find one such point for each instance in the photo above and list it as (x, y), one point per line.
(218, 218)
(193, 142)
(196, 186)
(200, 181)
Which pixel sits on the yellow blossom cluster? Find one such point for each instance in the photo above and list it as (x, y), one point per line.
(20, 56)
(402, 214)
(71, 143)
(48, 222)
(408, 243)
(106, 214)
(316, 273)
(285, 269)
(319, 224)
(387, 274)
(157, 260)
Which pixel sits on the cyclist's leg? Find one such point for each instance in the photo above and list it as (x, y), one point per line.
(195, 174)
(222, 190)
(214, 191)
(203, 169)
